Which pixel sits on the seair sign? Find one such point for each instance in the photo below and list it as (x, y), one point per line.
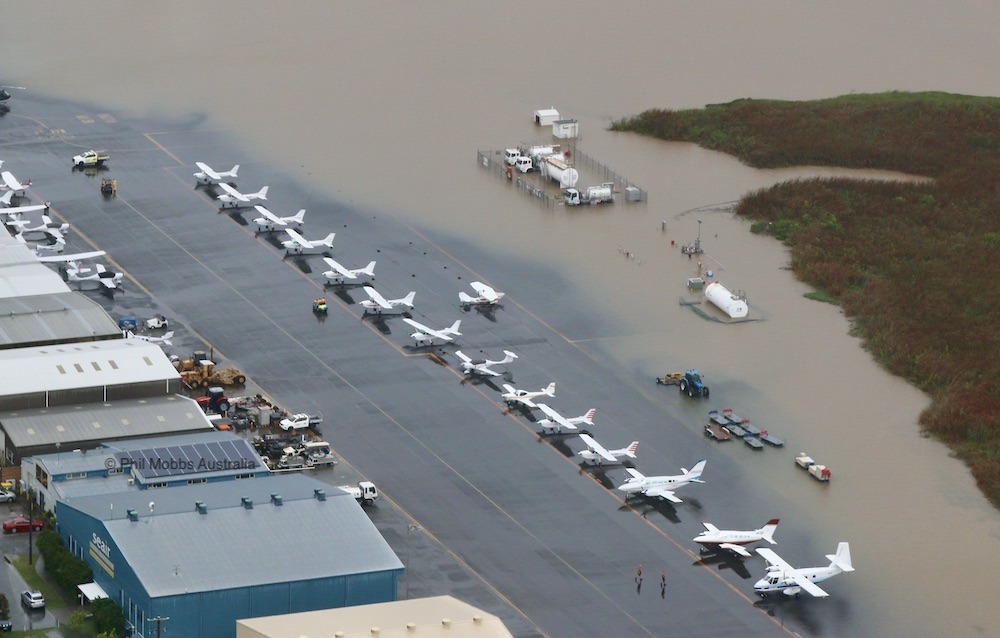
(100, 551)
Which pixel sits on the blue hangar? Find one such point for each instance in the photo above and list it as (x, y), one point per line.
(205, 555)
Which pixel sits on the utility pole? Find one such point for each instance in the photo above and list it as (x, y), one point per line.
(158, 620)
(31, 527)
(411, 527)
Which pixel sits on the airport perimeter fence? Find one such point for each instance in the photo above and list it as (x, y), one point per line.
(581, 159)
(494, 162)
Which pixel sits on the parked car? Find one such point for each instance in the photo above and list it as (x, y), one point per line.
(32, 599)
(7, 496)
(22, 524)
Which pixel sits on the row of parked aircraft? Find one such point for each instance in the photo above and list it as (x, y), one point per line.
(780, 576)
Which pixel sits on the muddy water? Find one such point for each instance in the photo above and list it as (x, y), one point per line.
(384, 105)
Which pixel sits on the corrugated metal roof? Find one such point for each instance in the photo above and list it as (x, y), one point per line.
(177, 550)
(102, 421)
(83, 365)
(21, 274)
(66, 316)
(391, 619)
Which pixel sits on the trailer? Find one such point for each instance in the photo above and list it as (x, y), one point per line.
(773, 441)
(559, 172)
(819, 472)
(716, 432)
(753, 442)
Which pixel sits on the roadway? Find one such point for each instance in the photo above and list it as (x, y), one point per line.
(508, 520)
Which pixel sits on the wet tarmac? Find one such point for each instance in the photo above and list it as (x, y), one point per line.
(477, 503)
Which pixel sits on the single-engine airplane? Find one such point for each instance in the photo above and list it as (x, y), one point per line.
(209, 176)
(378, 303)
(483, 367)
(13, 185)
(791, 581)
(556, 423)
(524, 397)
(268, 222)
(425, 336)
(597, 454)
(337, 273)
(661, 486)
(48, 227)
(735, 541)
(232, 198)
(487, 296)
(299, 245)
(165, 339)
(81, 274)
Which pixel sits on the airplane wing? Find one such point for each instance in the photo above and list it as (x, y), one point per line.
(739, 549)
(662, 492)
(298, 239)
(372, 293)
(528, 403)
(344, 272)
(597, 448)
(710, 527)
(422, 328)
(790, 572)
(461, 355)
(76, 257)
(634, 473)
(207, 170)
(556, 417)
(485, 291)
(10, 181)
(269, 216)
(232, 192)
(17, 210)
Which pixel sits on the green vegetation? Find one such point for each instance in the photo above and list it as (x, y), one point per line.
(65, 569)
(820, 295)
(53, 597)
(914, 264)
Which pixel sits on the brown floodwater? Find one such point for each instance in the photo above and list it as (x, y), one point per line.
(384, 106)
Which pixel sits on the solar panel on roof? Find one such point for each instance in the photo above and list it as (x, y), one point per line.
(175, 460)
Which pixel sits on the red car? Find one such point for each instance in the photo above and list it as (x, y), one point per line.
(21, 524)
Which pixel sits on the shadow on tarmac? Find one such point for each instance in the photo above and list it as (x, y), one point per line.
(724, 559)
(488, 312)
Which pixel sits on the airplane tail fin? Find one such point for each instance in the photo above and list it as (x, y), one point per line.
(7, 197)
(408, 299)
(508, 356)
(466, 299)
(694, 474)
(842, 559)
(368, 270)
(550, 390)
(453, 330)
(768, 530)
(588, 418)
(167, 335)
(261, 194)
(328, 240)
(233, 172)
(630, 450)
(299, 217)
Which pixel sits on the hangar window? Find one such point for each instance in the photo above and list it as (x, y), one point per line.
(79, 368)
(96, 367)
(61, 369)
(114, 366)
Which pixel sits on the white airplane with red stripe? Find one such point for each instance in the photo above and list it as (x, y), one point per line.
(597, 454)
(735, 541)
(556, 423)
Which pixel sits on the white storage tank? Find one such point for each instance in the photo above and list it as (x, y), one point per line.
(735, 307)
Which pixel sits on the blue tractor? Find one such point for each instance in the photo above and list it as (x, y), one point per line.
(692, 384)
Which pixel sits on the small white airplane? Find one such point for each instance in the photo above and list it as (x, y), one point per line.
(208, 176)
(107, 278)
(165, 339)
(10, 183)
(661, 486)
(483, 367)
(232, 198)
(599, 455)
(378, 303)
(556, 423)
(268, 222)
(48, 227)
(714, 538)
(42, 250)
(791, 581)
(299, 245)
(339, 273)
(425, 336)
(77, 257)
(487, 296)
(524, 397)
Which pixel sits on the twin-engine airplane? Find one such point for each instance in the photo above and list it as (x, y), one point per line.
(339, 273)
(597, 454)
(232, 198)
(208, 176)
(524, 397)
(48, 227)
(483, 367)
(556, 423)
(736, 541)
(425, 336)
(268, 222)
(378, 303)
(165, 339)
(661, 486)
(81, 274)
(299, 245)
(791, 581)
(487, 296)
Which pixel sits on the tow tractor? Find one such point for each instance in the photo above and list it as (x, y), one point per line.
(319, 305)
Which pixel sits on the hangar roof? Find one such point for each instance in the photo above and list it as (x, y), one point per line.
(174, 549)
(76, 424)
(56, 317)
(82, 365)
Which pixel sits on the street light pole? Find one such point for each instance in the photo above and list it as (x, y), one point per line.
(158, 620)
(411, 527)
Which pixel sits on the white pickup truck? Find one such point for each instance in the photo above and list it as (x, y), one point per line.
(91, 158)
(300, 421)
